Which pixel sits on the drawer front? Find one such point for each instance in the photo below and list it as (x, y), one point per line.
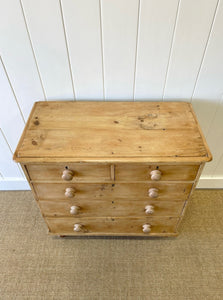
(112, 208)
(127, 191)
(106, 226)
(141, 172)
(79, 172)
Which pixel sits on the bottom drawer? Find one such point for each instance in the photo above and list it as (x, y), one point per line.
(113, 226)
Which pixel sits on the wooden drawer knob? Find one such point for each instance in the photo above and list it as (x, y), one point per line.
(153, 193)
(74, 210)
(155, 175)
(67, 175)
(70, 192)
(149, 209)
(146, 228)
(77, 227)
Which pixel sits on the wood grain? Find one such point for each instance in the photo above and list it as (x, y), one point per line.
(147, 127)
(140, 162)
(82, 172)
(127, 191)
(105, 172)
(168, 172)
(114, 226)
(191, 193)
(111, 207)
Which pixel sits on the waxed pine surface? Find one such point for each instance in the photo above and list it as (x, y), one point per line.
(76, 130)
(34, 265)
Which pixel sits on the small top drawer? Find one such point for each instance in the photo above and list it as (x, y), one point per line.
(142, 172)
(70, 172)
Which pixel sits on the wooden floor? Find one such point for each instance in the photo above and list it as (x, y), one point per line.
(34, 265)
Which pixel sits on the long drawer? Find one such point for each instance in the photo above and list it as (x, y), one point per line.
(112, 208)
(82, 172)
(110, 225)
(127, 191)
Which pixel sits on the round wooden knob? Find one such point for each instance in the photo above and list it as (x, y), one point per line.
(149, 209)
(67, 175)
(77, 227)
(74, 210)
(155, 175)
(70, 192)
(153, 193)
(146, 228)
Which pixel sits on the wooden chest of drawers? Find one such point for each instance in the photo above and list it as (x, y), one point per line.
(112, 168)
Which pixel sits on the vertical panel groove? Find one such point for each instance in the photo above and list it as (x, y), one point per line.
(33, 52)
(68, 55)
(213, 118)
(136, 49)
(119, 19)
(16, 100)
(215, 169)
(205, 49)
(171, 47)
(6, 140)
(212, 173)
(10, 149)
(82, 27)
(217, 166)
(102, 50)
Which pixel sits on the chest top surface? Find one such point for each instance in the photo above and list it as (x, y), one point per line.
(112, 131)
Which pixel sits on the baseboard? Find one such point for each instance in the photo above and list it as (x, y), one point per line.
(12, 183)
(210, 183)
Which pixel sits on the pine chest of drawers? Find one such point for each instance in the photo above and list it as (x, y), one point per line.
(112, 168)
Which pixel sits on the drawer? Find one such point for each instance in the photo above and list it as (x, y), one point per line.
(127, 191)
(106, 226)
(79, 172)
(141, 172)
(112, 208)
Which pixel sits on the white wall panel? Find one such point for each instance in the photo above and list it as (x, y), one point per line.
(17, 55)
(218, 172)
(209, 87)
(208, 96)
(11, 121)
(45, 26)
(119, 31)
(191, 35)
(215, 140)
(82, 24)
(156, 25)
(8, 168)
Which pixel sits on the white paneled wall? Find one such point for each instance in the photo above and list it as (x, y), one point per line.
(119, 36)
(46, 31)
(157, 21)
(135, 50)
(82, 21)
(18, 57)
(193, 25)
